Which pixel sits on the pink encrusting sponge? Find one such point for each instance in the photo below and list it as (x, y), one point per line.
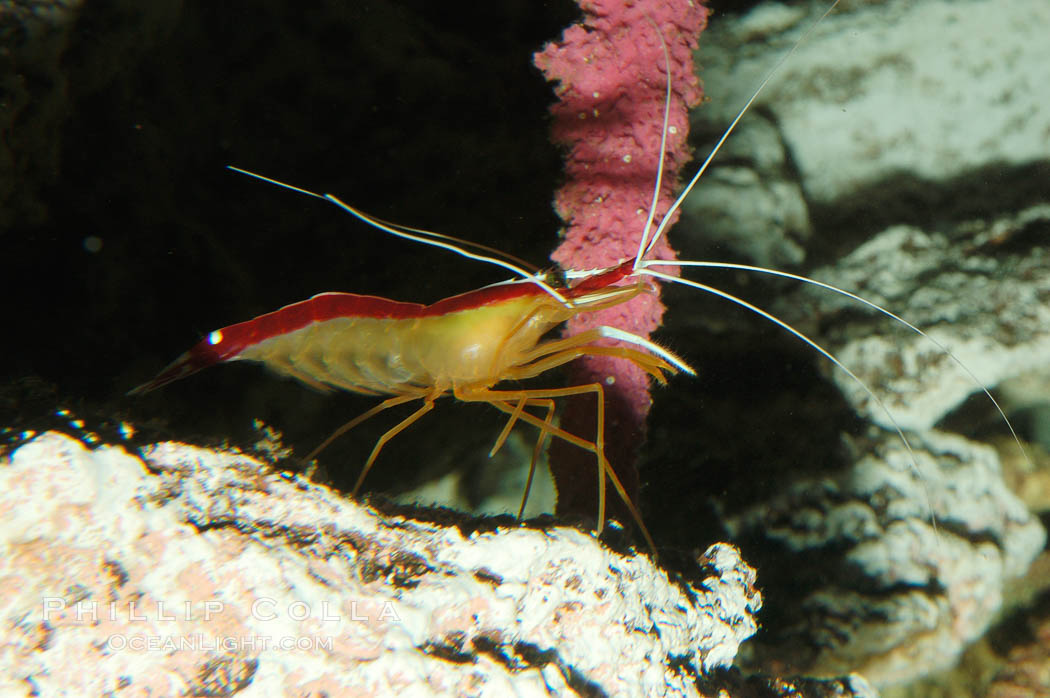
(610, 70)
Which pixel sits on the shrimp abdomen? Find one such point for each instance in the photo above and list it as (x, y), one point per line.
(377, 346)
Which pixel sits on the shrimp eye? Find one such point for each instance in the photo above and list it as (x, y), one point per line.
(556, 277)
(215, 337)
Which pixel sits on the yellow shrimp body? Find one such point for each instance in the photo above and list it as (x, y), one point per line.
(425, 355)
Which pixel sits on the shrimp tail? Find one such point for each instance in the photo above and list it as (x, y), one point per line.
(205, 353)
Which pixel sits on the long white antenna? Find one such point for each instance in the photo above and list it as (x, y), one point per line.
(718, 146)
(425, 237)
(822, 351)
(859, 299)
(642, 246)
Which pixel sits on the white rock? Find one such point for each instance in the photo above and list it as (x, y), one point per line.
(195, 570)
(991, 308)
(935, 88)
(898, 564)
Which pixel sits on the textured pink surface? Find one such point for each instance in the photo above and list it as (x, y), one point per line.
(611, 83)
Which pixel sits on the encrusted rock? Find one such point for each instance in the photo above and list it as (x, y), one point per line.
(917, 155)
(896, 565)
(881, 89)
(1027, 672)
(982, 290)
(192, 571)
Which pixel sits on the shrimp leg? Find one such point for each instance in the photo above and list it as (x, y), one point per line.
(537, 449)
(428, 404)
(562, 351)
(515, 415)
(500, 399)
(384, 405)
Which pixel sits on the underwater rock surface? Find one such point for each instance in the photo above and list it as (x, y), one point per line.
(981, 289)
(900, 564)
(885, 109)
(902, 154)
(114, 563)
(1027, 672)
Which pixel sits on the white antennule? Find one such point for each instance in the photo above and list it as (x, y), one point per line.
(423, 236)
(732, 126)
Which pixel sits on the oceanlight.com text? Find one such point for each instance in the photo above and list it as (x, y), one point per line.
(197, 642)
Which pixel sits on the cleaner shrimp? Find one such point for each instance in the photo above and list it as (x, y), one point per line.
(465, 345)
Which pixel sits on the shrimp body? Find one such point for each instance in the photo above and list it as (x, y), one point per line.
(413, 353)
(377, 346)
(464, 344)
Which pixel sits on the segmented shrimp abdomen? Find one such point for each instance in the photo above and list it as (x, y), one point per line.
(360, 354)
(397, 356)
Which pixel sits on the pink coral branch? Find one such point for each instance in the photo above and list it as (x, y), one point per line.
(610, 71)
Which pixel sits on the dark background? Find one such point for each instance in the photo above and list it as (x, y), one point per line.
(122, 123)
